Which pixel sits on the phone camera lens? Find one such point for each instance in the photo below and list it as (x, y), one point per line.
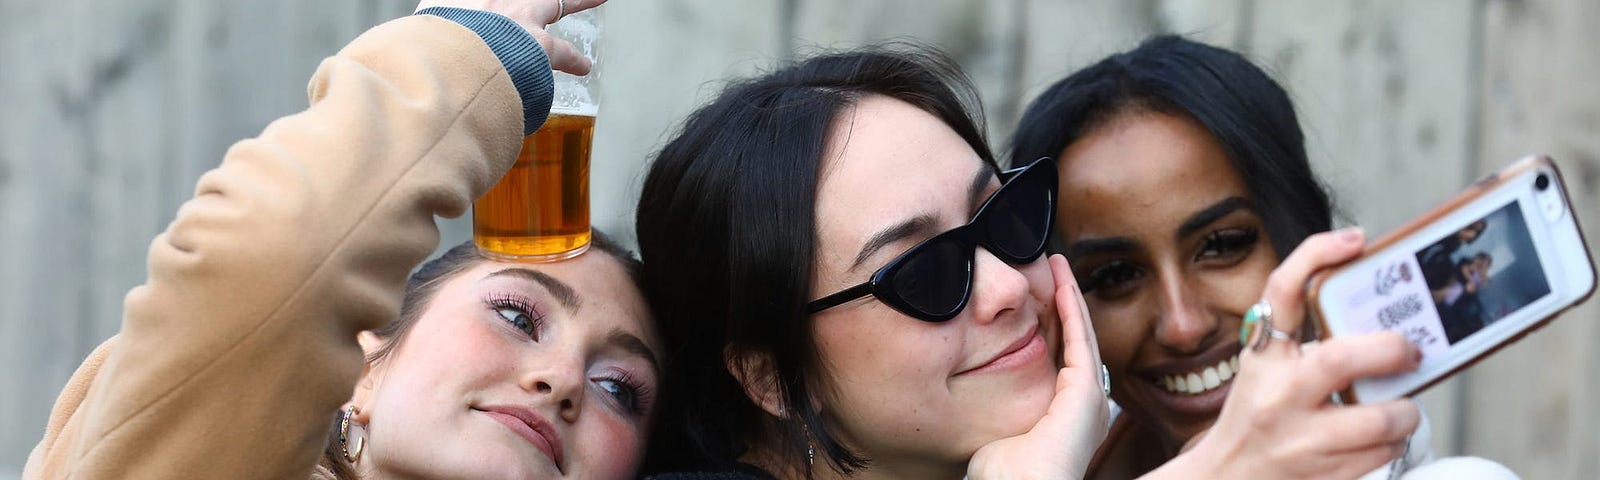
(1542, 182)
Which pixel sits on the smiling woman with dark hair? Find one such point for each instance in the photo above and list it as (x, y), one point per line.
(758, 224)
(1184, 184)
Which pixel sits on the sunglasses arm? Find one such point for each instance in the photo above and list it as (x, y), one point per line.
(840, 298)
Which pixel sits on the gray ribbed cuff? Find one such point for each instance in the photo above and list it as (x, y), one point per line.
(522, 56)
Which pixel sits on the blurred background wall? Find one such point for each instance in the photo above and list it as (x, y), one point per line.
(109, 111)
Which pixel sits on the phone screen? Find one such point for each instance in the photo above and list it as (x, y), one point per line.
(1452, 288)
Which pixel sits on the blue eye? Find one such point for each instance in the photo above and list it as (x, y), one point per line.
(518, 314)
(621, 391)
(628, 394)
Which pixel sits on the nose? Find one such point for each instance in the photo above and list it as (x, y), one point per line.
(1184, 324)
(997, 288)
(557, 382)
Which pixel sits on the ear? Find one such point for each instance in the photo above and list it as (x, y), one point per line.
(362, 396)
(756, 372)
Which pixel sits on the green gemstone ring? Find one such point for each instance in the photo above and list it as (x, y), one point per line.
(1258, 317)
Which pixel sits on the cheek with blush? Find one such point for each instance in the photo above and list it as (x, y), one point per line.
(613, 447)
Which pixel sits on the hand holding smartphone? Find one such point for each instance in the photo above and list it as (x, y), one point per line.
(1499, 260)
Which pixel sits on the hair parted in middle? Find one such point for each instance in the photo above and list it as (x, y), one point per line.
(1247, 112)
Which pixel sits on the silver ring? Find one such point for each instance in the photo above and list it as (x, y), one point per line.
(561, 10)
(1105, 380)
(1259, 317)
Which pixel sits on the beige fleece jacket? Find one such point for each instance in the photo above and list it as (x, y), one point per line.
(241, 345)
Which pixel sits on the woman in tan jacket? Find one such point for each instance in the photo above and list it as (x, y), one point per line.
(242, 345)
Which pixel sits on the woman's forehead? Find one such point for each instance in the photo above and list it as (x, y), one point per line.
(888, 156)
(593, 284)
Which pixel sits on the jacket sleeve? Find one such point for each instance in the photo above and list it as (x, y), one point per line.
(241, 345)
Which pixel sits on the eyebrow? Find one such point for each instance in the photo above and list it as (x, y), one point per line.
(1216, 211)
(980, 182)
(632, 344)
(911, 226)
(1199, 220)
(920, 224)
(557, 288)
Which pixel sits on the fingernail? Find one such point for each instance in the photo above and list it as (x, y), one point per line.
(1416, 355)
(1352, 234)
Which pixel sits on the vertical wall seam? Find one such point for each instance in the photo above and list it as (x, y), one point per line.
(1461, 391)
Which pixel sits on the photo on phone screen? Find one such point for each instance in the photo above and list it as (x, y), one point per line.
(1457, 285)
(1482, 273)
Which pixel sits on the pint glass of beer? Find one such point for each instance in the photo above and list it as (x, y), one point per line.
(540, 210)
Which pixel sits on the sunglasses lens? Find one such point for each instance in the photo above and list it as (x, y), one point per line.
(934, 279)
(1017, 219)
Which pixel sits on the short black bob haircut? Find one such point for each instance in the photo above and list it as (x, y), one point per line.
(727, 234)
(1243, 108)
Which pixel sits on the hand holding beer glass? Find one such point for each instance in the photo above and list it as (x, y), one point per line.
(540, 210)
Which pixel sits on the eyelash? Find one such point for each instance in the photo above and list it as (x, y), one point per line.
(1223, 245)
(1233, 241)
(1111, 275)
(641, 394)
(528, 319)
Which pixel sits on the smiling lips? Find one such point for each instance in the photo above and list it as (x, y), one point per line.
(1202, 380)
(1024, 350)
(1193, 385)
(530, 426)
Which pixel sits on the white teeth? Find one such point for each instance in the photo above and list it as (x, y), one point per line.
(1202, 380)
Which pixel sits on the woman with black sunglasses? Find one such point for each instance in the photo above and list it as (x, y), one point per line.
(849, 287)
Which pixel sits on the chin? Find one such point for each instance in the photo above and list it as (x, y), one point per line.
(1181, 434)
(501, 461)
(1017, 412)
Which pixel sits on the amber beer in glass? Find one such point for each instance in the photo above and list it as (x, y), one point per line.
(540, 209)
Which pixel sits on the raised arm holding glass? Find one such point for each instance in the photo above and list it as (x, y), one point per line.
(277, 335)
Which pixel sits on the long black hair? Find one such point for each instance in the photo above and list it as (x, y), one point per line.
(727, 234)
(1243, 108)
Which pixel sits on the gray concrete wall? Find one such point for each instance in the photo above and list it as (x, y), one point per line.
(109, 111)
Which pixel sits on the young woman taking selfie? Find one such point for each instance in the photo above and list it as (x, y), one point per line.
(1184, 183)
(240, 357)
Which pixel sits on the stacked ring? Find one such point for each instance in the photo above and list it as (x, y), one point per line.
(1259, 317)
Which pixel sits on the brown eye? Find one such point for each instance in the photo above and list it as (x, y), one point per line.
(1112, 280)
(1226, 245)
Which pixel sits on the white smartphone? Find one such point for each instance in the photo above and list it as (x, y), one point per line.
(1499, 260)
